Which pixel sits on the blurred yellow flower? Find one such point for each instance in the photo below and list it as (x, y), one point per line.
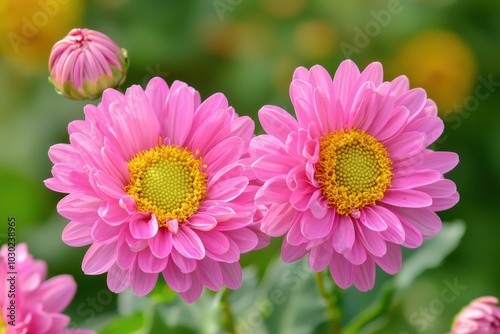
(315, 39)
(29, 29)
(284, 8)
(442, 63)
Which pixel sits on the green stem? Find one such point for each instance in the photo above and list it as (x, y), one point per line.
(377, 309)
(332, 310)
(229, 319)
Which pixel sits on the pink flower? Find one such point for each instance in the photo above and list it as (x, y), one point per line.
(351, 180)
(481, 316)
(157, 186)
(86, 62)
(31, 304)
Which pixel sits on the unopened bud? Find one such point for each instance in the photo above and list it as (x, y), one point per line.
(86, 62)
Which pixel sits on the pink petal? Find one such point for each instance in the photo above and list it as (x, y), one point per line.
(414, 100)
(245, 238)
(319, 257)
(444, 203)
(224, 153)
(118, 279)
(344, 79)
(278, 219)
(215, 242)
(141, 283)
(313, 228)
(343, 234)
(414, 178)
(277, 122)
(274, 190)
(186, 265)
(231, 274)
(161, 243)
(372, 220)
(372, 241)
(194, 292)
(413, 237)
(320, 78)
(294, 235)
(270, 166)
(55, 293)
(136, 125)
(149, 263)
(176, 280)
(440, 161)
(391, 261)
(157, 91)
(107, 186)
(265, 144)
(104, 233)
(210, 274)
(342, 271)
(215, 102)
(227, 190)
(406, 198)
(441, 188)
(188, 243)
(79, 207)
(427, 221)
(99, 258)
(365, 276)
(202, 222)
(357, 254)
(125, 256)
(112, 213)
(77, 234)
(290, 253)
(143, 226)
(179, 115)
(405, 145)
(394, 232)
(394, 125)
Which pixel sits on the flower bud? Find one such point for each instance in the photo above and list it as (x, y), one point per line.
(482, 315)
(86, 62)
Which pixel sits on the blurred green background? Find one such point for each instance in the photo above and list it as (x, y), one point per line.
(248, 50)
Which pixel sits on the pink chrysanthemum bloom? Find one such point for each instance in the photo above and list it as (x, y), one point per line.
(351, 180)
(481, 316)
(156, 184)
(86, 62)
(30, 303)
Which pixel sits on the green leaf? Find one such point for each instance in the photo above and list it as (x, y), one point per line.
(286, 302)
(431, 254)
(131, 324)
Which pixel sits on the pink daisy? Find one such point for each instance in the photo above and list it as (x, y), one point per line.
(30, 303)
(351, 179)
(157, 187)
(481, 316)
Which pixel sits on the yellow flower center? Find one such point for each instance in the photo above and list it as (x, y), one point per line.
(168, 182)
(354, 170)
